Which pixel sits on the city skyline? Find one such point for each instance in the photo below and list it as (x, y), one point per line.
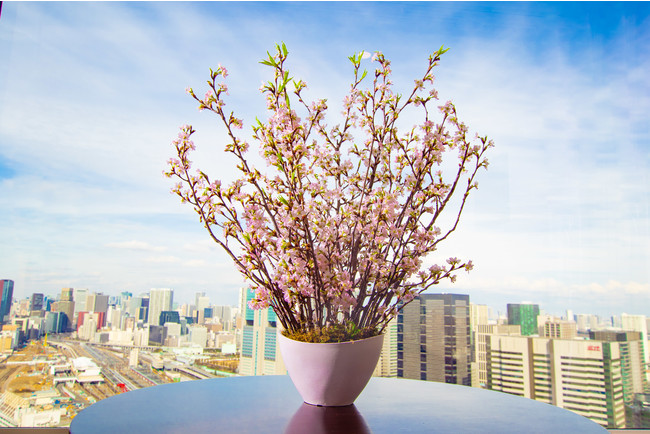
(93, 93)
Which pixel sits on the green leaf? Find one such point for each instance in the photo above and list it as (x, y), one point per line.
(284, 50)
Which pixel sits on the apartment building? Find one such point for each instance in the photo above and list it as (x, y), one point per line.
(579, 375)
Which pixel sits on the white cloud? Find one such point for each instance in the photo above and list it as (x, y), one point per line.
(163, 259)
(94, 93)
(136, 245)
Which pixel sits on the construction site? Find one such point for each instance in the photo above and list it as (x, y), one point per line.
(45, 384)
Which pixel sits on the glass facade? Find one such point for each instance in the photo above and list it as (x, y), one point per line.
(247, 342)
(525, 316)
(7, 288)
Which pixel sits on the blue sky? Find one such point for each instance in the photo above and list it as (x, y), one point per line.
(91, 95)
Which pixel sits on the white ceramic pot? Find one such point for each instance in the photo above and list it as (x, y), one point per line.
(330, 374)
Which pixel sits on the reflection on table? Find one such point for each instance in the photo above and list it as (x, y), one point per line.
(270, 404)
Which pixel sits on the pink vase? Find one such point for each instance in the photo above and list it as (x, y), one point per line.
(331, 374)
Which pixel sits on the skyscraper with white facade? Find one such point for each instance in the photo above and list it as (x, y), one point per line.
(160, 299)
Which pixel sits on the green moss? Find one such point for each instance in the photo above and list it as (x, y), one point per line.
(333, 333)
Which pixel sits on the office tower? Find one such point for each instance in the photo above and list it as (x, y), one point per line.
(260, 354)
(97, 302)
(198, 335)
(586, 322)
(160, 299)
(433, 339)
(387, 364)
(157, 335)
(481, 349)
(478, 316)
(80, 300)
(570, 316)
(36, 302)
(143, 310)
(202, 303)
(135, 304)
(55, 322)
(632, 364)
(88, 323)
(114, 317)
(524, 315)
(6, 298)
(169, 316)
(638, 323)
(124, 299)
(66, 305)
(551, 327)
(225, 315)
(578, 375)
(47, 303)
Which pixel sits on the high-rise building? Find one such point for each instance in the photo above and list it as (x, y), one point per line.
(80, 297)
(639, 323)
(6, 297)
(66, 305)
(157, 335)
(524, 315)
(55, 322)
(125, 298)
(481, 349)
(169, 316)
(551, 327)
(579, 375)
(202, 303)
(260, 354)
(198, 335)
(586, 322)
(387, 364)
(225, 315)
(36, 302)
(160, 299)
(97, 302)
(479, 315)
(632, 365)
(433, 339)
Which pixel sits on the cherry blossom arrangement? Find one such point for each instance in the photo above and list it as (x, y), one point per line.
(333, 235)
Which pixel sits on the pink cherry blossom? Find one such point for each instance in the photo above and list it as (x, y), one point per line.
(339, 227)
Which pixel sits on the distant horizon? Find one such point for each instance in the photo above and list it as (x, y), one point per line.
(92, 94)
(495, 311)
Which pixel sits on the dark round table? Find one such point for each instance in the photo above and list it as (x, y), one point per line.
(270, 404)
